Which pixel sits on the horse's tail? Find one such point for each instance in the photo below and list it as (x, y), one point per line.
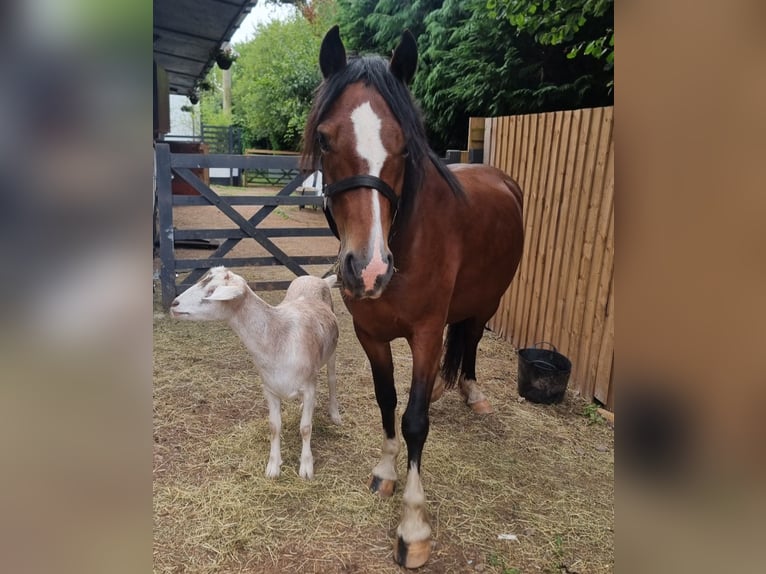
(454, 346)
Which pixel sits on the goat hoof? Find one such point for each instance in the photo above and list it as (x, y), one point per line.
(383, 487)
(307, 474)
(482, 407)
(272, 470)
(412, 554)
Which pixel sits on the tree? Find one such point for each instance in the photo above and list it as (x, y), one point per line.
(273, 79)
(273, 82)
(376, 26)
(478, 58)
(584, 26)
(211, 100)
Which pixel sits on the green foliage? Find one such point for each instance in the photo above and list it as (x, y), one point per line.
(273, 79)
(480, 58)
(273, 82)
(477, 58)
(591, 413)
(211, 100)
(494, 560)
(376, 26)
(498, 561)
(584, 26)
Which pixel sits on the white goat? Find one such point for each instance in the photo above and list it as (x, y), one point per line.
(289, 343)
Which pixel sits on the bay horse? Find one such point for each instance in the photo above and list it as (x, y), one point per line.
(421, 246)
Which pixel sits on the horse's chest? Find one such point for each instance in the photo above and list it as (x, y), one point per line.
(382, 321)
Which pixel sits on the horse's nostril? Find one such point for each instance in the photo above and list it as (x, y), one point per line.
(174, 303)
(349, 266)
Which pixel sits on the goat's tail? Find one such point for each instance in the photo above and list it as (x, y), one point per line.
(331, 280)
(454, 347)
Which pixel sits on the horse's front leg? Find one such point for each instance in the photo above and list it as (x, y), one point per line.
(413, 544)
(383, 479)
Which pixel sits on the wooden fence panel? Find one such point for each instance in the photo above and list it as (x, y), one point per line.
(563, 290)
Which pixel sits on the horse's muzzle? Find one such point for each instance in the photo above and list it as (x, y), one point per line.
(366, 278)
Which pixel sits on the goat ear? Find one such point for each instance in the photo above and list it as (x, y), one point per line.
(226, 293)
(332, 54)
(405, 58)
(330, 280)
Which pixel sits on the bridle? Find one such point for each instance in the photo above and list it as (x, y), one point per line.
(331, 190)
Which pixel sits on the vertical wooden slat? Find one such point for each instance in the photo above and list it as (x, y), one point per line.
(500, 140)
(560, 201)
(610, 396)
(582, 193)
(593, 254)
(513, 170)
(547, 228)
(569, 258)
(599, 373)
(604, 246)
(522, 142)
(489, 141)
(537, 248)
(165, 208)
(601, 363)
(500, 163)
(605, 361)
(566, 225)
(583, 252)
(531, 161)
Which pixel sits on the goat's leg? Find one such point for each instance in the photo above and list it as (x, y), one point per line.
(332, 384)
(275, 428)
(307, 459)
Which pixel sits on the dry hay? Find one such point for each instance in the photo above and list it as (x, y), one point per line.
(543, 473)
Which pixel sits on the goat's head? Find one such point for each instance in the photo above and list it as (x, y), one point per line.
(214, 297)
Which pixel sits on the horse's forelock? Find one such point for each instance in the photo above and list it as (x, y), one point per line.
(374, 72)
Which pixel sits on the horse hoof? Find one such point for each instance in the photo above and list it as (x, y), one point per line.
(482, 407)
(383, 487)
(413, 554)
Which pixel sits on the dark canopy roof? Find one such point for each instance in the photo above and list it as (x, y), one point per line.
(187, 33)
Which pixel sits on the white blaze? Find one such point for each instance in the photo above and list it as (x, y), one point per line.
(369, 146)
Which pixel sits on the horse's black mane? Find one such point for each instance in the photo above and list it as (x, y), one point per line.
(374, 72)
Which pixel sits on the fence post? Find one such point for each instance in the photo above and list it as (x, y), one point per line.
(165, 205)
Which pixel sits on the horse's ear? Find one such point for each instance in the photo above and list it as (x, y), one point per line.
(405, 58)
(332, 54)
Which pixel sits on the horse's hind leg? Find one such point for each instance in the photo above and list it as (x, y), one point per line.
(439, 384)
(469, 388)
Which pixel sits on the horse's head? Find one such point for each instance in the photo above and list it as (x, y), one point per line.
(361, 136)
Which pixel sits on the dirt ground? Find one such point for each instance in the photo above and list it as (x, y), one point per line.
(541, 473)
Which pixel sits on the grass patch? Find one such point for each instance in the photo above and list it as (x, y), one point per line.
(543, 473)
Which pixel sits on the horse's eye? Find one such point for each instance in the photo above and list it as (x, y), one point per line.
(406, 152)
(324, 145)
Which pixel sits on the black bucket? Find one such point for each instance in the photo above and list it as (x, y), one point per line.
(543, 374)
